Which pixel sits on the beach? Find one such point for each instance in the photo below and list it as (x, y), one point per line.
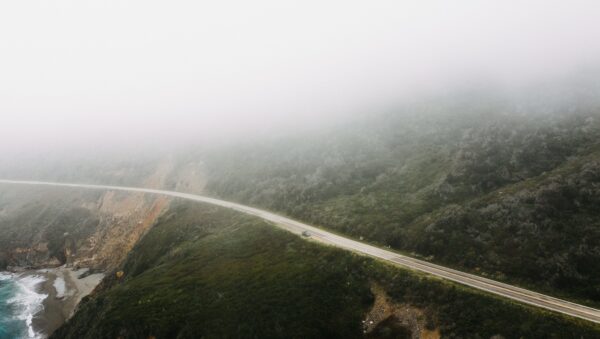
(64, 287)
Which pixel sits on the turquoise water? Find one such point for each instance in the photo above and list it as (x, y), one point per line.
(19, 301)
(10, 325)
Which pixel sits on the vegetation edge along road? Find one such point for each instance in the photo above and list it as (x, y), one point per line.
(484, 284)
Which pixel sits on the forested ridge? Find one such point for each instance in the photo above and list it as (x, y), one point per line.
(498, 189)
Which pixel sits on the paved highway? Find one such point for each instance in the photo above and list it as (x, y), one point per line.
(488, 285)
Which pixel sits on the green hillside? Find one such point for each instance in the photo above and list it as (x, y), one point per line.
(205, 272)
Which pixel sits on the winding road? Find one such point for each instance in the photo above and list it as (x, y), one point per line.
(484, 284)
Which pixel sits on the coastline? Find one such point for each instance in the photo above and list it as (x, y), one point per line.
(64, 287)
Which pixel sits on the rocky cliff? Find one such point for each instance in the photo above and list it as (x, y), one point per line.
(44, 227)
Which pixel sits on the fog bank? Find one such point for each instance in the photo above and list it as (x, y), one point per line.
(145, 73)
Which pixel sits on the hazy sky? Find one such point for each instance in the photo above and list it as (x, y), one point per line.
(87, 71)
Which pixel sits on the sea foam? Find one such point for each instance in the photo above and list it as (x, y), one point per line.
(28, 301)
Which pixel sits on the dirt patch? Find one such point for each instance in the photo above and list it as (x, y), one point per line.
(387, 319)
(124, 219)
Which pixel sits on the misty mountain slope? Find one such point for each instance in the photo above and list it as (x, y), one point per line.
(99, 167)
(380, 181)
(207, 272)
(422, 161)
(154, 169)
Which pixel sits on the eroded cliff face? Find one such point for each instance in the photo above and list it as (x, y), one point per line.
(44, 226)
(123, 219)
(52, 226)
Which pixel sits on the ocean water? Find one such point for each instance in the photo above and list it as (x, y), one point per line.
(19, 302)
